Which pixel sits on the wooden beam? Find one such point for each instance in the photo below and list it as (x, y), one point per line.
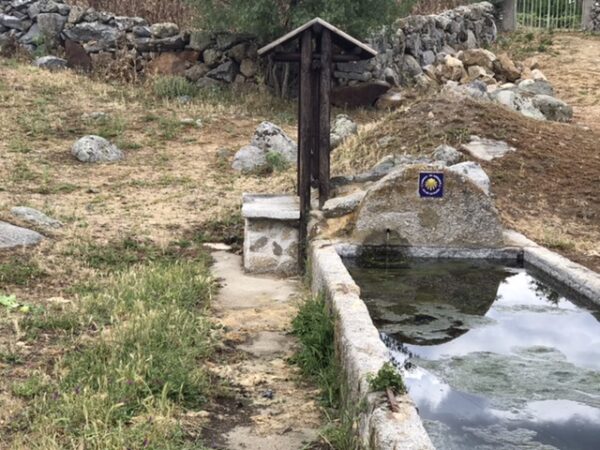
(325, 115)
(316, 112)
(304, 142)
(295, 57)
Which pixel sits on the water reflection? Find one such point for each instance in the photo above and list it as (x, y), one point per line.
(493, 357)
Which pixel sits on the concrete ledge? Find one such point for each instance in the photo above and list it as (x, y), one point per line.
(361, 352)
(580, 279)
(265, 206)
(346, 250)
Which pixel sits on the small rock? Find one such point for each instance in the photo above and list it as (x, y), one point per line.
(505, 68)
(343, 127)
(208, 83)
(537, 74)
(487, 149)
(478, 57)
(270, 138)
(35, 217)
(553, 108)
(535, 87)
(13, 236)
(225, 72)
(196, 72)
(211, 57)
(51, 63)
(248, 68)
(200, 40)
(164, 30)
(447, 154)
(474, 172)
(268, 394)
(249, 159)
(92, 149)
(184, 99)
(340, 206)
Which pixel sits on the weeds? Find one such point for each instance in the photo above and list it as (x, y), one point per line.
(388, 377)
(316, 359)
(19, 270)
(122, 389)
(174, 87)
(276, 162)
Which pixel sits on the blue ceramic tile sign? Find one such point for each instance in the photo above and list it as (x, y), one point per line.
(431, 184)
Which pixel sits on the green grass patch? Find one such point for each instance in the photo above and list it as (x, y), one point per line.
(314, 328)
(126, 387)
(229, 230)
(174, 87)
(19, 270)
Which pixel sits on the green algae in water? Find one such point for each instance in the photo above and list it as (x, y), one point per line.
(493, 357)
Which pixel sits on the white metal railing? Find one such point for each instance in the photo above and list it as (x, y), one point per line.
(555, 14)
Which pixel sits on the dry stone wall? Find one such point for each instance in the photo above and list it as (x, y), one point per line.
(86, 38)
(594, 24)
(418, 41)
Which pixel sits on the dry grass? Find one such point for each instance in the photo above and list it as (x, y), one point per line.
(171, 189)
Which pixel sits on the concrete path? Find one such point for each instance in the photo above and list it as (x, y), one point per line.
(275, 410)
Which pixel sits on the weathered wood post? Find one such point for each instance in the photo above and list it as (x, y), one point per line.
(320, 46)
(509, 15)
(586, 14)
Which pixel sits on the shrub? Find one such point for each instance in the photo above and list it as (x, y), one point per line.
(173, 87)
(269, 18)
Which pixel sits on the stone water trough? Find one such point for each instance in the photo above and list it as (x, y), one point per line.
(403, 213)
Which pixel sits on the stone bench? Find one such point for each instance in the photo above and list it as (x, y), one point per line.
(271, 233)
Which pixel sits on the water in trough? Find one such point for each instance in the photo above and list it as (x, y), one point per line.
(493, 357)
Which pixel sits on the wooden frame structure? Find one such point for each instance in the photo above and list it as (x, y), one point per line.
(320, 45)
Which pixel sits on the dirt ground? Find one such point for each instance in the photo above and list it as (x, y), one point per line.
(573, 68)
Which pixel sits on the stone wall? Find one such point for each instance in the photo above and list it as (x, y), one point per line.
(594, 24)
(87, 38)
(418, 41)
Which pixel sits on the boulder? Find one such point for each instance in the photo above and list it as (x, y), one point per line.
(248, 68)
(35, 217)
(14, 22)
(342, 128)
(50, 63)
(478, 57)
(341, 206)
(535, 87)
(12, 236)
(225, 72)
(33, 36)
(537, 74)
(51, 26)
(196, 72)
(48, 6)
(392, 212)
(250, 159)
(411, 66)
(126, 23)
(211, 57)
(164, 30)
(104, 36)
(389, 101)
(473, 172)
(95, 149)
(553, 108)
(270, 138)
(505, 68)
(200, 40)
(515, 101)
(487, 149)
(208, 83)
(447, 154)
(365, 94)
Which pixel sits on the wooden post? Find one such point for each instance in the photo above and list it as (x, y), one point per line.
(325, 115)
(304, 141)
(315, 80)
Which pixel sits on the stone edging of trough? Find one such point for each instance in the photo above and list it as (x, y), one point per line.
(361, 352)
